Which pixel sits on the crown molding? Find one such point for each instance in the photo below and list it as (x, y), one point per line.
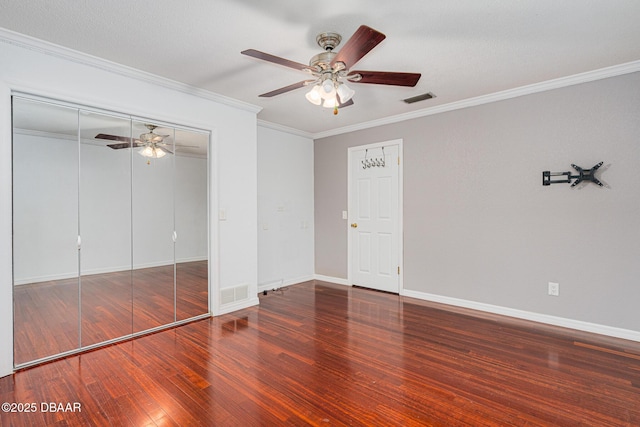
(589, 76)
(48, 48)
(286, 129)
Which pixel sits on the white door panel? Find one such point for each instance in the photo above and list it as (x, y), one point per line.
(374, 217)
(385, 254)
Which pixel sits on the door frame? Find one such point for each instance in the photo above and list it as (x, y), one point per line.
(350, 151)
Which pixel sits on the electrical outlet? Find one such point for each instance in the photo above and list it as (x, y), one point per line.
(554, 289)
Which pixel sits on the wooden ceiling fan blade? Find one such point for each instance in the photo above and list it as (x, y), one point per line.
(346, 104)
(285, 89)
(275, 59)
(113, 137)
(124, 145)
(361, 42)
(385, 78)
(119, 146)
(164, 149)
(176, 145)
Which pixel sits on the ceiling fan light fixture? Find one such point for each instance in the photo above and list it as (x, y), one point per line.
(328, 86)
(330, 102)
(345, 92)
(313, 96)
(152, 152)
(328, 95)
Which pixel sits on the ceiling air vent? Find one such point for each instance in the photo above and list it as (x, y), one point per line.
(419, 98)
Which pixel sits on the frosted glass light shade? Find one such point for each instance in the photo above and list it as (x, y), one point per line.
(328, 86)
(313, 96)
(345, 93)
(152, 152)
(326, 94)
(330, 102)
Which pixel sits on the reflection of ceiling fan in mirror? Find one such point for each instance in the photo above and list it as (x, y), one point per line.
(152, 143)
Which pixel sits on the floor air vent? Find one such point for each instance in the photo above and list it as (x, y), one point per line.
(238, 293)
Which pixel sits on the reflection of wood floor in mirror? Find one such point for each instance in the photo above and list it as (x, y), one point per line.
(46, 313)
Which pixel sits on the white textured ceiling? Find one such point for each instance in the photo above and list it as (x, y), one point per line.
(463, 48)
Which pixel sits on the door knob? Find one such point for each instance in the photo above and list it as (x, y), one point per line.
(354, 225)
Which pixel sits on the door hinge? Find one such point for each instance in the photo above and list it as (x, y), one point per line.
(398, 269)
(398, 160)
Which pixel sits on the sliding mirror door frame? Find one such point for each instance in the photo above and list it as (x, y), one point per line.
(187, 231)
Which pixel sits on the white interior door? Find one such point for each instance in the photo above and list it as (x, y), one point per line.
(374, 216)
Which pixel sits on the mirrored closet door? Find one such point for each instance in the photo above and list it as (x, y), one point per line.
(104, 229)
(153, 250)
(191, 201)
(110, 225)
(45, 229)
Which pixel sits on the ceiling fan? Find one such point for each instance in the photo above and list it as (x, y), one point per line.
(330, 70)
(154, 145)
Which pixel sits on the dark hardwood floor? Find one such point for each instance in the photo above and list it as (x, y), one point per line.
(323, 354)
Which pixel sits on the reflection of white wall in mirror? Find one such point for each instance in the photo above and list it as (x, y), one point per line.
(105, 238)
(152, 211)
(191, 209)
(45, 221)
(105, 209)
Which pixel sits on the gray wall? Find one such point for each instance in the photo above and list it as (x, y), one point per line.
(478, 224)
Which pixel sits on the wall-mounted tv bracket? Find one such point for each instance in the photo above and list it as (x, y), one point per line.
(583, 175)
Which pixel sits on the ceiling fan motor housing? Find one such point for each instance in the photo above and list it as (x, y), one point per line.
(322, 60)
(329, 40)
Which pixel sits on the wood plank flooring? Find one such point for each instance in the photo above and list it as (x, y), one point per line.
(329, 355)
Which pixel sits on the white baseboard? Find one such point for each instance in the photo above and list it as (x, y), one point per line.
(239, 305)
(528, 315)
(336, 280)
(275, 284)
(48, 278)
(192, 259)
